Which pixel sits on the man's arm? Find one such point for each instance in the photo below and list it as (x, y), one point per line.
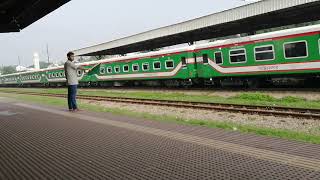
(65, 71)
(81, 67)
(75, 67)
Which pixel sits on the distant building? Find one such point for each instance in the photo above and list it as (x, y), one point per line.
(36, 61)
(21, 68)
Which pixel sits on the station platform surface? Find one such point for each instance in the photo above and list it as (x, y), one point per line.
(42, 142)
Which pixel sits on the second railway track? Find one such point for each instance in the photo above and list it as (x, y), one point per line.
(246, 109)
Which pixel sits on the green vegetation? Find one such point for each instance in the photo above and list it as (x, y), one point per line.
(7, 70)
(286, 134)
(252, 98)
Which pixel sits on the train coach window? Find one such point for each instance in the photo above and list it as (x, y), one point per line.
(238, 56)
(169, 64)
(145, 66)
(157, 65)
(184, 61)
(205, 58)
(102, 70)
(218, 57)
(117, 69)
(295, 50)
(264, 53)
(61, 74)
(109, 70)
(126, 68)
(135, 67)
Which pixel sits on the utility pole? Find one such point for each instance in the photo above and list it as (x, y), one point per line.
(48, 54)
(19, 61)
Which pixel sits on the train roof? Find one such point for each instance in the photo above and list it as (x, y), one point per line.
(149, 54)
(264, 36)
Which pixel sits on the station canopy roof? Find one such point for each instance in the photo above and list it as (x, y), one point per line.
(16, 14)
(248, 18)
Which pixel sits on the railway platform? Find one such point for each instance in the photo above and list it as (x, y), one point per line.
(42, 142)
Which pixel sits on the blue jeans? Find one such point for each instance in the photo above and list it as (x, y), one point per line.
(72, 93)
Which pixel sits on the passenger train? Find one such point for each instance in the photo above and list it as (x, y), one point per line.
(283, 57)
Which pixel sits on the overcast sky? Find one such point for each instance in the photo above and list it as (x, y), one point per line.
(82, 23)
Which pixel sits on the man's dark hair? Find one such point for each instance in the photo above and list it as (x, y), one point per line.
(70, 54)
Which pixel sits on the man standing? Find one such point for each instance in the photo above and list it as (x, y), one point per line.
(70, 69)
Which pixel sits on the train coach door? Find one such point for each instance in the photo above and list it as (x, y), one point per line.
(195, 60)
(202, 61)
(189, 66)
(184, 62)
(195, 67)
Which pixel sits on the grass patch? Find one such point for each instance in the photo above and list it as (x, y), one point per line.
(285, 134)
(291, 99)
(254, 97)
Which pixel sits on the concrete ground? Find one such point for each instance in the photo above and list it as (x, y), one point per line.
(40, 142)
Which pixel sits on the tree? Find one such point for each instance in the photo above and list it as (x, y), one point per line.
(44, 65)
(8, 70)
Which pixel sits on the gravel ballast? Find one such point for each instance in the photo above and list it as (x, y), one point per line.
(308, 126)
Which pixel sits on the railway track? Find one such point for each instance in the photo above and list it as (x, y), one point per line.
(246, 109)
(196, 89)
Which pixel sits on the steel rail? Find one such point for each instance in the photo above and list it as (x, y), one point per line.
(245, 109)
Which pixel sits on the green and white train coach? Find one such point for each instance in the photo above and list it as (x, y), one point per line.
(286, 56)
(283, 56)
